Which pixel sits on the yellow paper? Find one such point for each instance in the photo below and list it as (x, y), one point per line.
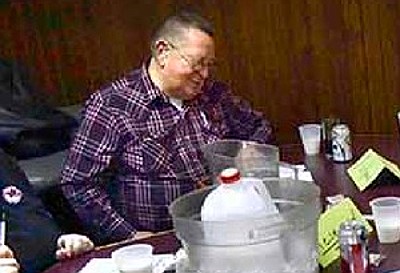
(328, 228)
(368, 167)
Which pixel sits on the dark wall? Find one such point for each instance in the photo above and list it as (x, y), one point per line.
(295, 60)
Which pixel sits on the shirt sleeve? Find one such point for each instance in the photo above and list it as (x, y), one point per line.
(244, 122)
(90, 154)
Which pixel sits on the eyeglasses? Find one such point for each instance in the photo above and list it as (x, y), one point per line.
(195, 66)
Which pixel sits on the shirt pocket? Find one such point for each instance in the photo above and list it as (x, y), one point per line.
(151, 156)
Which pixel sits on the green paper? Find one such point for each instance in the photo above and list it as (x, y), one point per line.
(328, 229)
(368, 167)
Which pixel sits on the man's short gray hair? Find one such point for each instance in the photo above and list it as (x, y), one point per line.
(173, 28)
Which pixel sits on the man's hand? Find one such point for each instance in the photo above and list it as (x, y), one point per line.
(249, 157)
(7, 262)
(256, 160)
(71, 245)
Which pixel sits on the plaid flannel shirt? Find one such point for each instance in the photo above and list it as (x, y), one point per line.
(156, 150)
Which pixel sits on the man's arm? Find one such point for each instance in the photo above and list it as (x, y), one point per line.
(244, 122)
(90, 154)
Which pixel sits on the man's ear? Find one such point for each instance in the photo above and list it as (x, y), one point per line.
(162, 49)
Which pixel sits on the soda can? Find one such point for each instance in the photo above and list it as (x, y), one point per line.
(341, 143)
(327, 125)
(353, 239)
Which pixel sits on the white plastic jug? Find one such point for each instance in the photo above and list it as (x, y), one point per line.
(237, 198)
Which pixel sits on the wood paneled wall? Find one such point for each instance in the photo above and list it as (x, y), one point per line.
(295, 60)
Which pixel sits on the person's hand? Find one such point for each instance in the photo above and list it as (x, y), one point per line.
(71, 245)
(257, 161)
(8, 264)
(248, 157)
(6, 252)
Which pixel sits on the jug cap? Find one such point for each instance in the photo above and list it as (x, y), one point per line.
(230, 176)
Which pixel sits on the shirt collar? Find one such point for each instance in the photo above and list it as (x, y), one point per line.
(153, 92)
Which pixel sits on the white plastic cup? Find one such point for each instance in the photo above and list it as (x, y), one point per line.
(386, 213)
(137, 258)
(310, 135)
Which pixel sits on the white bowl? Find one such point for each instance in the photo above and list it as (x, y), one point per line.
(135, 258)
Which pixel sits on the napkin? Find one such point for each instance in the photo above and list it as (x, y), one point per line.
(299, 172)
(99, 265)
(161, 263)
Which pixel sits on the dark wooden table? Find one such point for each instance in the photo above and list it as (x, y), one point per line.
(331, 177)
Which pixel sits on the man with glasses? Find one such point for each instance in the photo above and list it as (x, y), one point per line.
(149, 127)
